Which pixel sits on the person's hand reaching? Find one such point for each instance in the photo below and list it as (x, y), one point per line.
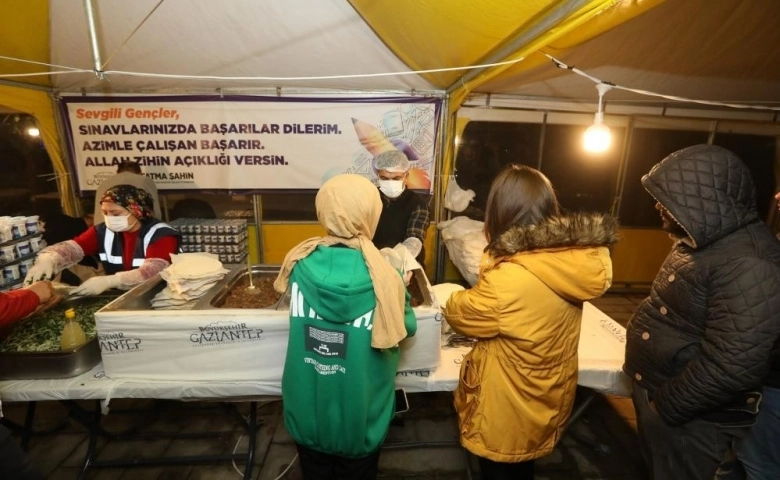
(44, 269)
(44, 290)
(414, 245)
(96, 285)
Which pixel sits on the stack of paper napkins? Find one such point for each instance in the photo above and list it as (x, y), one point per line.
(189, 277)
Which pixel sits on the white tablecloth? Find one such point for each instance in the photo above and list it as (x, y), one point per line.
(601, 352)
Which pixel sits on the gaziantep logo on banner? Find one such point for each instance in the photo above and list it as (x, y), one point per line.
(218, 333)
(116, 342)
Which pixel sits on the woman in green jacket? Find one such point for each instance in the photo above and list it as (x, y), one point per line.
(349, 309)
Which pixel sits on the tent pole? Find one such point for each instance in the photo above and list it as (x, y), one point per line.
(93, 40)
(257, 210)
(523, 36)
(620, 187)
(30, 86)
(439, 214)
(69, 200)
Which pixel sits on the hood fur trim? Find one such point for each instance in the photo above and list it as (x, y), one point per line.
(572, 230)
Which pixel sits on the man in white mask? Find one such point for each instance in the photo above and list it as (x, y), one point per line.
(405, 216)
(132, 245)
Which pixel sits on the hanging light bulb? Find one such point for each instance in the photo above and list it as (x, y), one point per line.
(597, 137)
(33, 132)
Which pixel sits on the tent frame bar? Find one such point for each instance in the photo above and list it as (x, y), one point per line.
(93, 38)
(31, 86)
(266, 91)
(520, 38)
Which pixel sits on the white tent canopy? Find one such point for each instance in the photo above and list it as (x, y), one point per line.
(238, 38)
(698, 49)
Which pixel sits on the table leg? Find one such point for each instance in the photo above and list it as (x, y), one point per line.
(589, 395)
(92, 423)
(580, 408)
(25, 431)
(28, 424)
(252, 432)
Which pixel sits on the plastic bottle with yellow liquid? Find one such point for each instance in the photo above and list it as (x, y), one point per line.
(72, 334)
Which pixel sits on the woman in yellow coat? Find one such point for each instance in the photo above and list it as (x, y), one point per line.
(517, 385)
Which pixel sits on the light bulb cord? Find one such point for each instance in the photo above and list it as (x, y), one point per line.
(674, 98)
(602, 88)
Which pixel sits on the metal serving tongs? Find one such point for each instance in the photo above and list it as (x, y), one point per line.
(62, 289)
(284, 300)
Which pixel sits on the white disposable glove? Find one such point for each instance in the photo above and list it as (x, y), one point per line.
(397, 261)
(414, 245)
(44, 269)
(96, 285)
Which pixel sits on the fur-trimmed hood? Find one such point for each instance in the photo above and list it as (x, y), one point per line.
(526, 312)
(572, 230)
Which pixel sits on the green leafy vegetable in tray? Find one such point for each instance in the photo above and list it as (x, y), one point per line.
(41, 333)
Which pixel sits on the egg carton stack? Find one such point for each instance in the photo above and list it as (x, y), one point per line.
(20, 240)
(225, 238)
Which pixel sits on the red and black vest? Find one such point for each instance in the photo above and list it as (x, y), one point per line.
(110, 245)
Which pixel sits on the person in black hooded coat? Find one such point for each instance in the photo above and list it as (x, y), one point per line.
(699, 347)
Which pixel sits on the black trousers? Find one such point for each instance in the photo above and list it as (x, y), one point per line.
(322, 466)
(691, 451)
(506, 471)
(13, 461)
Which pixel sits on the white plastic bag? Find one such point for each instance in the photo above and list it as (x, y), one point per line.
(465, 242)
(455, 198)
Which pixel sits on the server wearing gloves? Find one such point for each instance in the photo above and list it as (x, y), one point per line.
(405, 216)
(131, 243)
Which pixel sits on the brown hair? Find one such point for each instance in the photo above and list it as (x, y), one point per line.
(129, 166)
(519, 195)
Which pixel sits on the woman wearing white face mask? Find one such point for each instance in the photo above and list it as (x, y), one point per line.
(132, 244)
(405, 216)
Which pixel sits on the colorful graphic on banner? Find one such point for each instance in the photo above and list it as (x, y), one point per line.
(247, 143)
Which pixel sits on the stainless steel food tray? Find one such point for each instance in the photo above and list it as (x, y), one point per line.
(35, 365)
(140, 298)
(215, 298)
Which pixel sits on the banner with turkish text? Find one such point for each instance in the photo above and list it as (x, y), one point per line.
(247, 143)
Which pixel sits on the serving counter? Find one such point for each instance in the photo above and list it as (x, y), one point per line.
(212, 353)
(215, 343)
(601, 354)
